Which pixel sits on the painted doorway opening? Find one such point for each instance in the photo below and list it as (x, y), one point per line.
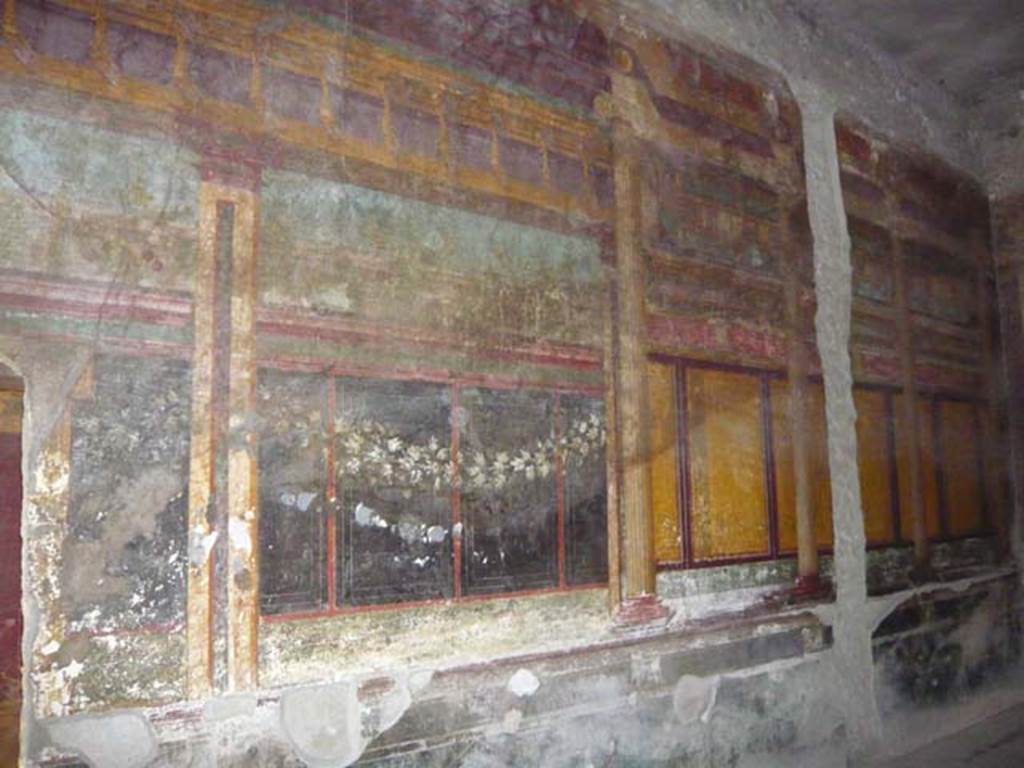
(11, 411)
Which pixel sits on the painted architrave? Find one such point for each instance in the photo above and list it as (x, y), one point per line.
(310, 51)
(242, 581)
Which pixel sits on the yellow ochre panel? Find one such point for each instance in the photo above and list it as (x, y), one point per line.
(664, 463)
(960, 477)
(729, 512)
(817, 454)
(873, 465)
(929, 480)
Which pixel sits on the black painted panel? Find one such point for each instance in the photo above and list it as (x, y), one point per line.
(586, 490)
(127, 512)
(394, 490)
(292, 491)
(508, 490)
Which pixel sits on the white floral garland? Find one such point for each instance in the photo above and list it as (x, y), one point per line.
(371, 450)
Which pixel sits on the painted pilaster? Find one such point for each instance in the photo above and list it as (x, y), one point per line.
(1008, 247)
(612, 450)
(222, 503)
(243, 572)
(807, 545)
(638, 562)
(910, 415)
(199, 625)
(639, 602)
(996, 512)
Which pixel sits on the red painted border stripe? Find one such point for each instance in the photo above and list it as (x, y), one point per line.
(457, 527)
(331, 502)
(293, 324)
(559, 491)
(435, 375)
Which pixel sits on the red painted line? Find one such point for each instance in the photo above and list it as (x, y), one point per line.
(89, 311)
(683, 462)
(433, 375)
(456, 495)
(92, 291)
(771, 496)
(290, 323)
(559, 491)
(331, 502)
(92, 300)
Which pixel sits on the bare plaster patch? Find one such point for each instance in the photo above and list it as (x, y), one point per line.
(127, 516)
(228, 707)
(238, 532)
(324, 724)
(123, 740)
(694, 698)
(200, 546)
(523, 683)
(330, 726)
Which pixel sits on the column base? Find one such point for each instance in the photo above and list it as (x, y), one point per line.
(810, 587)
(641, 611)
(806, 589)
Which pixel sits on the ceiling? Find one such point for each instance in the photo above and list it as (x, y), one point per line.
(972, 48)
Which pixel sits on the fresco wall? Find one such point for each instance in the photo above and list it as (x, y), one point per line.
(326, 326)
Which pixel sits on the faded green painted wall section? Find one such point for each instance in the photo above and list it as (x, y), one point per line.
(86, 202)
(379, 256)
(434, 636)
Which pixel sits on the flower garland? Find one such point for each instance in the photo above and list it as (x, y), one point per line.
(371, 451)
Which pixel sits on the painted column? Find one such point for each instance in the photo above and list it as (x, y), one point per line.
(630, 367)
(910, 415)
(988, 416)
(611, 415)
(1008, 248)
(639, 602)
(852, 652)
(808, 581)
